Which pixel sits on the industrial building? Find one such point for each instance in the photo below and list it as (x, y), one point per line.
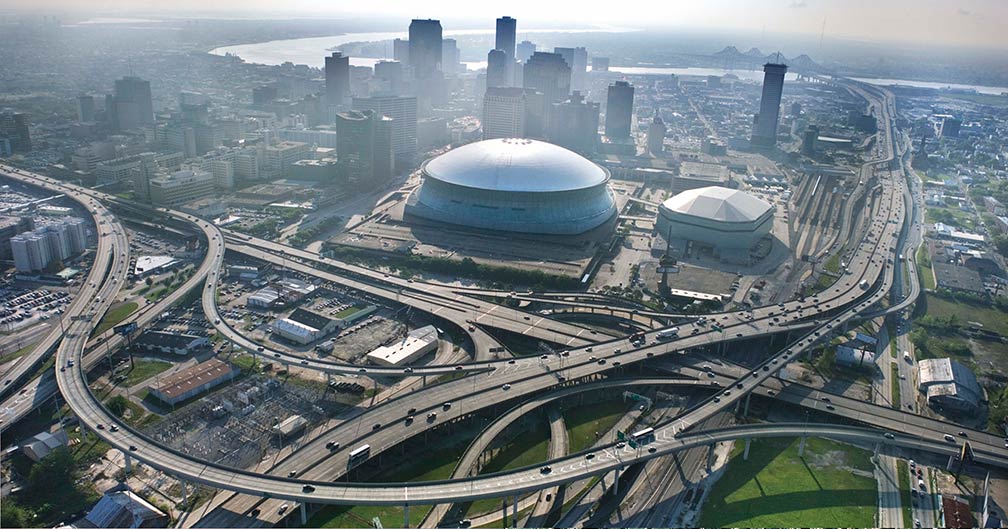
(120, 507)
(729, 221)
(949, 385)
(282, 292)
(516, 185)
(41, 444)
(171, 343)
(413, 347)
(190, 382)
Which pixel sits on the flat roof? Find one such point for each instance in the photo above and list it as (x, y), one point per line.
(146, 263)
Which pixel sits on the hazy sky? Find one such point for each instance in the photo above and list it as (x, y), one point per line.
(957, 22)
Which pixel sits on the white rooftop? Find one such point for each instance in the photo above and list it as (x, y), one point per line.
(514, 164)
(718, 203)
(146, 263)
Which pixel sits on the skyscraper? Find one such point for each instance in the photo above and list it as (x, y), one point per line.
(656, 135)
(85, 108)
(600, 64)
(131, 104)
(504, 113)
(765, 124)
(505, 38)
(450, 56)
(577, 59)
(619, 110)
(505, 41)
(14, 129)
(400, 50)
(549, 74)
(364, 148)
(524, 50)
(392, 73)
(573, 124)
(403, 111)
(425, 43)
(497, 69)
(337, 79)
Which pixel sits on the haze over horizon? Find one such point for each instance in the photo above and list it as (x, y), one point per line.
(969, 23)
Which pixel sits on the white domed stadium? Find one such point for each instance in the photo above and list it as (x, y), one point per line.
(730, 221)
(516, 185)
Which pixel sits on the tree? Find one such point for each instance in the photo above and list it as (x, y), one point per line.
(149, 281)
(13, 515)
(55, 469)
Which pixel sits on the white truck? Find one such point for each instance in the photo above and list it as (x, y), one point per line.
(668, 334)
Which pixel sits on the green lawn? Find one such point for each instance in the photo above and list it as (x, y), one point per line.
(346, 312)
(582, 422)
(158, 293)
(526, 450)
(114, 316)
(895, 385)
(776, 488)
(18, 354)
(924, 269)
(903, 469)
(144, 369)
(991, 318)
(433, 466)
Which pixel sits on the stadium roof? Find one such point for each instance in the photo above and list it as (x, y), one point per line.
(718, 203)
(514, 164)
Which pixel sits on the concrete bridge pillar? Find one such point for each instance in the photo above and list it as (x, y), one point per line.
(615, 482)
(801, 446)
(127, 462)
(710, 456)
(304, 513)
(745, 455)
(185, 494)
(405, 521)
(745, 412)
(514, 511)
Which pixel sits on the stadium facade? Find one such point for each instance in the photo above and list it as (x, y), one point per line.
(516, 185)
(729, 221)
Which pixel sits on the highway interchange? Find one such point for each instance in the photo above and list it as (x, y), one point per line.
(489, 382)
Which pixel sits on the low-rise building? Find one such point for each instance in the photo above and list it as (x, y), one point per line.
(169, 342)
(120, 507)
(40, 445)
(181, 187)
(193, 381)
(848, 356)
(401, 352)
(949, 385)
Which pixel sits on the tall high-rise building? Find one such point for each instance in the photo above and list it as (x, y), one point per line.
(524, 51)
(505, 40)
(504, 113)
(577, 59)
(400, 51)
(34, 250)
(549, 74)
(497, 69)
(950, 127)
(573, 124)
(403, 111)
(809, 140)
(656, 136)
(425, 43)
(337, 79)
(600, 64)
(142, 175)
(619, 110)
(14, 129)
(85, 108)
(131, 104)
(364, 148)
(392, 73)
(451, 58)
(765, 123)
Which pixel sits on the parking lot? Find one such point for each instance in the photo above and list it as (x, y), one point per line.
(21, 307)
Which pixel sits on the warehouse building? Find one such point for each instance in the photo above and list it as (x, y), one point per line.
(191, 382)
(949, 385)
(121, 507)
(401, 352)
(171, 343)
(729, 222)
(515, 185)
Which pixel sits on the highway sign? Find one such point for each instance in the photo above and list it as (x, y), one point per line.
(126, 328)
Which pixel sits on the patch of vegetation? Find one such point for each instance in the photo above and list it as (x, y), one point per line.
(830, 486)
(924, 269)
(114, 316)
(144, 369)
(52, 493)
(409, 265)
(584, 421)
(894, 385)
(903, 469)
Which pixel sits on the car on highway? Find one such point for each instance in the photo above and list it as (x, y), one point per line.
(949, 438)
(308, 488)
(545, 470)
(283, 508)
(506, 387)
